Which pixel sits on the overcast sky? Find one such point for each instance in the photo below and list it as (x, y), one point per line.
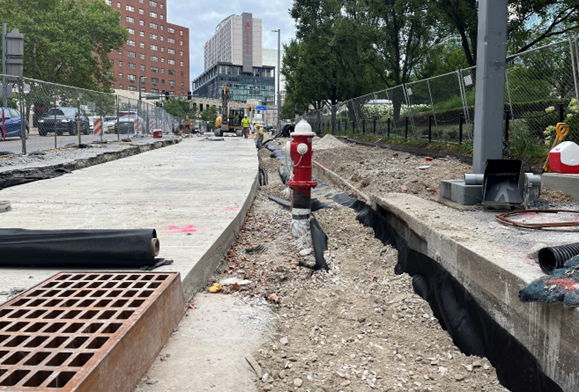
(202, 16)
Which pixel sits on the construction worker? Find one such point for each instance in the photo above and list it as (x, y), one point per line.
(245, 126)
(258, 135)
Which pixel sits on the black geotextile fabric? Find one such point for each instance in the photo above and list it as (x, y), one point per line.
(473, 331)
(562, 286)
(77, 248)
(319, 243)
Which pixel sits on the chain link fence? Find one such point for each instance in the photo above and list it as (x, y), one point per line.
(47, 115)
(541, 89)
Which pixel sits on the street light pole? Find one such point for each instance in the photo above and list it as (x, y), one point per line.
(278, 31)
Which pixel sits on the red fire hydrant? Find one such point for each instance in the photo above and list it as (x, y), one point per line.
(301, 183)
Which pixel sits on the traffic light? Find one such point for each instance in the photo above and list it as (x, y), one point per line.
(189, 95)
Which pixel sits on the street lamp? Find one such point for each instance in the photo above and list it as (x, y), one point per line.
(278, 31)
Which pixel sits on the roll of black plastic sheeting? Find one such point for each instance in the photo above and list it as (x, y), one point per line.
(472, 329)
(78, 248)
(554, 257)
(319, 243)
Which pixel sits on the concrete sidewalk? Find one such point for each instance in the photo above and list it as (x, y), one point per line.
(196, 195)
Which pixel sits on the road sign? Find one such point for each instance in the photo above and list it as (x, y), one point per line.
(261, 108)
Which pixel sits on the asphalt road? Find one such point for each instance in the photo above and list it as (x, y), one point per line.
(42, 143)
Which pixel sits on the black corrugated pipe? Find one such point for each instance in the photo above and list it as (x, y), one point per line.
(554, 257)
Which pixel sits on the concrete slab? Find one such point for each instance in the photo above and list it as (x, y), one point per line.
(458, 192)
(493, 262)
(568, 183)
(196, 195)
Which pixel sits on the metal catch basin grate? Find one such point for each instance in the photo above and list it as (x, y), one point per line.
(52, 335)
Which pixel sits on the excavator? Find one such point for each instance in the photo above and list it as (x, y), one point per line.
(230, 119)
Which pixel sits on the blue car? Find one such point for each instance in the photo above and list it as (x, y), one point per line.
(12, 121)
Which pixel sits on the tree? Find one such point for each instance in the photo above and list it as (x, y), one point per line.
(530, 22)
(67, 41)
(180, 108)
(402, 33)
(209, 114)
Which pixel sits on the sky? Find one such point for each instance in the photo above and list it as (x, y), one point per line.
(202, 16)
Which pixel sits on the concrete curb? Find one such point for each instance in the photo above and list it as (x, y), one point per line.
(492, 275)
(197, 277)
(82, 163)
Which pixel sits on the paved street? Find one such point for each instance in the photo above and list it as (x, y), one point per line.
(36, 142)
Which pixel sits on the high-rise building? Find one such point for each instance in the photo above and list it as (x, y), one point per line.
(233, 57)
(156, 52)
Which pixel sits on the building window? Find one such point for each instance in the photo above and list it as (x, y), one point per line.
(154, 48)
(132, 77)
(155, 80)
(154, 59)
(181, 33)
(153, 36)
(170, 51)
(141, 11)
(131, 42)
(170, 30)
(142, 67)
(120, 63)
(171, 40)
(131, 31)
(141, 23)
(142, 45)
(141, 33)
(130, 8)
(172, 83)
(153, 14)
(120, 75)
(171, 72)
(142, 56)
(130, 19)
(153, 3)
(132, 88)
(132, 65)
(118, 5)
(154, 69)
(181, 53)
(171, 62)
(153, 25)
(131, 54)
(180, 43)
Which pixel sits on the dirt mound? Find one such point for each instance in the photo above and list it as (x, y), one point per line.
(327, 143)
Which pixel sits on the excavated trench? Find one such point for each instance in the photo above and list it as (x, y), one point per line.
(472, 329)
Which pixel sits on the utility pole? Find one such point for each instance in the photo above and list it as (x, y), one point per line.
(278, 31)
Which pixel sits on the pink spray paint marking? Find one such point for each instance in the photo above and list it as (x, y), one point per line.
(177, 229)
(232, 209)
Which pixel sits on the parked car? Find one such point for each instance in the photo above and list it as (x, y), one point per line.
(63, 119)
(130, 123)
(110, 124)
(12, 122)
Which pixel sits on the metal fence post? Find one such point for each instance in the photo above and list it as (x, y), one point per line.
(406, 128)
(374, 126)
(389, 127)
(429, 129)
(117, 126)
(561, 112)
(78, 120)
(54, 126)
(460, 127)
(507, 122)
(22, 115)
(363, 126)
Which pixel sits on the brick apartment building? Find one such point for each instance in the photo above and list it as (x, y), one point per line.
(156, 51)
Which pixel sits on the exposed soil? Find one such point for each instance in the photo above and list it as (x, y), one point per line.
(358, 327)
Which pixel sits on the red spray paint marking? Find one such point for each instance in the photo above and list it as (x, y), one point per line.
(565, 284)
(176, 229)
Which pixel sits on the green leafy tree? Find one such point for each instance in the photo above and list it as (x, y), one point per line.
(180, 108)
(530, 22)
(209, 114)
(67, 41)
